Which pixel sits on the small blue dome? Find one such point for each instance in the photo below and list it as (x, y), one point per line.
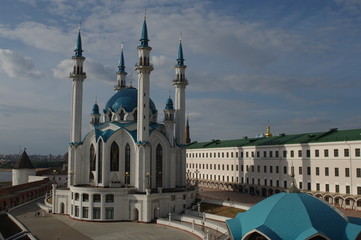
(169, 104)
(126, 98)
(95, 109)
(294, 216)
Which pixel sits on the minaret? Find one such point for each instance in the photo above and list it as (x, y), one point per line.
(95, 116)
(121, 74)
(169, 120)
(180, 84)
(187, 135)
(144, 69)
(78, 77)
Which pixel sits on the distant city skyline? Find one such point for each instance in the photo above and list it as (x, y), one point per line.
(295, 64)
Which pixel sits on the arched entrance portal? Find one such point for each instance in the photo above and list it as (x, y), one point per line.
(62, 208)
(135, 214)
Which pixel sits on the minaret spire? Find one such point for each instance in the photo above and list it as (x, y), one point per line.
(180, 59)
(121, 74)
(78, 48)
(144, 38)
(187, 134)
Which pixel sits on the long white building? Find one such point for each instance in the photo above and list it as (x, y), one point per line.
(325, 164)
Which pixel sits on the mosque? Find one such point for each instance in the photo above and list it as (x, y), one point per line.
(128, 167)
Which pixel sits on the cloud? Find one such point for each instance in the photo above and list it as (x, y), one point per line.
(17, 66)
(38, 35)
(94, 71)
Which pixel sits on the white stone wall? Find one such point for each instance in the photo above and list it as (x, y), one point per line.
(200, 158)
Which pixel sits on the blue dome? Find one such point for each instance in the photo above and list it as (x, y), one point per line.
(126, 98)
(294, 216)
(169, 104)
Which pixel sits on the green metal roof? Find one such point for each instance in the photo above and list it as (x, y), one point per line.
(333, 135)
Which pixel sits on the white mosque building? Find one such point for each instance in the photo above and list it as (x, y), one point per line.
(128, 166)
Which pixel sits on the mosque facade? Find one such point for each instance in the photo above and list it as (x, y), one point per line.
(128, 166)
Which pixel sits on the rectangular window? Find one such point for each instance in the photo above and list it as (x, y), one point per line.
(300, 170)
(357, 152)
(335, 152)
(109, 198)
(236, 167)
(326, 171)
(347, 172)
(276, 154)
(317, 186)
(336, 172)
(308, 153)
(232, 167)
(292, 153)
(346, 152)
(85, 197)
(258, 181)
(270, 169)
(277, 183)
(96, 198)
(325, 152)
(327, 188)
(252, 154)
(337, 188)
(258, 168)
(300, 185)
(299, 153)
(76, 211)
(358, 172)
(85, 212)
(258, 155)
(252, 168)
(277, 169)
(309, 186)
(285, 184)
(265, 182)
(285, 169)
(264, 169)
(96, 212)
(231, 154)
(222, 154)
(348, 190)
(247, 154)
(317, 153)
(308, 170)
(227, 167)
(284, 153)
(247, 168)
(223, 167)
(237, 155)
(241, 154)
(227, 155)
(270, 154)
(358, 190)
(109, 213)
(317, 171)
(264, 154)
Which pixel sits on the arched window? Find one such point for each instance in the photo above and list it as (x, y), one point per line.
(159, 165)
(92, 158)
(255, 236)
(127, 159)
(114, 157)
(100, 160)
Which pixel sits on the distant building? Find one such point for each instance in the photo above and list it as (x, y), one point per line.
(22, 170)
(326, 164)
(128, 166)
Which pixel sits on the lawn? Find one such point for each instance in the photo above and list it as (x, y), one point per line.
(220, 210)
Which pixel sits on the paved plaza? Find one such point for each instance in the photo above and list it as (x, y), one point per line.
(58, 227)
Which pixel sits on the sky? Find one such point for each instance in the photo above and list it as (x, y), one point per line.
(294, 64)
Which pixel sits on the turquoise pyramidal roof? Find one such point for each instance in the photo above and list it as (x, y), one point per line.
(294, 216)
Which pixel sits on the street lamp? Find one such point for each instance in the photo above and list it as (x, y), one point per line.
(147, 175)
(126, 179)
(196, 172)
